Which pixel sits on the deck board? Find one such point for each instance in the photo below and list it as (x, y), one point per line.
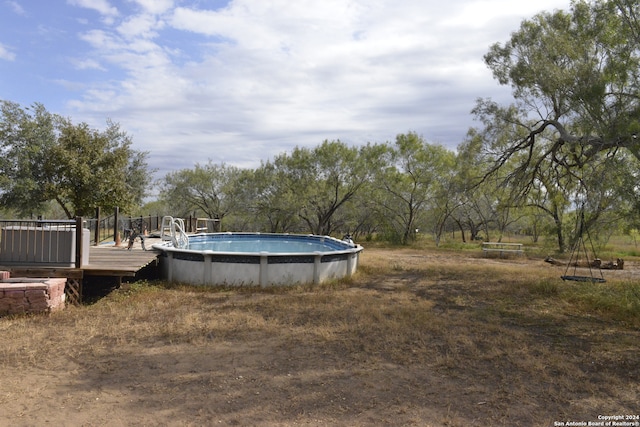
(104, 261)
(118, 261)
(111, 260)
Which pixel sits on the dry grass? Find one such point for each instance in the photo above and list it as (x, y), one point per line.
(416, 338)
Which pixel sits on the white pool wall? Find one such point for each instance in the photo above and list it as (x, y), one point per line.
(259, 268)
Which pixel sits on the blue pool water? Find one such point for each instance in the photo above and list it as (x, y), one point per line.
(255, 243)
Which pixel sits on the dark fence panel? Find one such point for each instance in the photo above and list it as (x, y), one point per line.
(46, 243)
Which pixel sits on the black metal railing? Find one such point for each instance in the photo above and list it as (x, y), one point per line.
(116, 227)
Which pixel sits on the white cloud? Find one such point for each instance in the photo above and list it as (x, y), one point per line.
(100, 40)
(478, 14)
(103, 7)
(87, 64)
(249, 80)
(17, 8)
(6, 54)
(155, 7)
(145, 26)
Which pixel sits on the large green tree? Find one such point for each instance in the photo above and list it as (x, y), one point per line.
(575, 78)
(45, 157)
(410, 181)
(320, 181)
(269, 200)
(211, 189)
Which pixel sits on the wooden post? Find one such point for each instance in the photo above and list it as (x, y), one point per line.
(116, 232)
(143, 228)
(79, 242)
(97, 229)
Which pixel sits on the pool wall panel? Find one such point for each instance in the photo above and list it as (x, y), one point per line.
(263, 269)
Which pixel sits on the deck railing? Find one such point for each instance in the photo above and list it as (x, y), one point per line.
(116, 227)
(55, 243)
(45, 243)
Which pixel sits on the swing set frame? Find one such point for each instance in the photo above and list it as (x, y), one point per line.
(575, 253)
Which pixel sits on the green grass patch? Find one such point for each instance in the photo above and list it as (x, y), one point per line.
(614, 300)
(546, 287)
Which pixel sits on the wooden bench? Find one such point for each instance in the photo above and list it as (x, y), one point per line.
(502, 248)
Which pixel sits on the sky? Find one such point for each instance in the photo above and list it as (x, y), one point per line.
(242, 81)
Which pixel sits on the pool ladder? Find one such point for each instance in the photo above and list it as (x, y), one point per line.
(176, 233)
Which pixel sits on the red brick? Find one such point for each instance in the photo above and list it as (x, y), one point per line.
(34, 294)
(8, 286)
(13, 294)
(55, 292)
(36, 286)
(16, 309)
(20, 295)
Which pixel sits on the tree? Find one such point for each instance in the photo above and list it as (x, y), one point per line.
(211, 189)
(445, 199)
(576, 87)
(26, 139)
(323, 180)
(359, 217)
(409, 180)
(270, 202)
(471, 212)
(602, 194)
(45, 157)
(552, 194)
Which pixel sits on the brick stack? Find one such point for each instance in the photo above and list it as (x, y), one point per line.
(22, 295)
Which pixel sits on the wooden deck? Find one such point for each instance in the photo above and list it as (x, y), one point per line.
(104, 261)
(118, 261)
(109, 261)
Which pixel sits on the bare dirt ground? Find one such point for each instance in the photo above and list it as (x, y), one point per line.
(415, 339)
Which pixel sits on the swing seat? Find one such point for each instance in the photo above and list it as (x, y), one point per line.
(583, 279)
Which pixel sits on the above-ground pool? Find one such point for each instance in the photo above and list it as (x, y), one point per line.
(250, 259)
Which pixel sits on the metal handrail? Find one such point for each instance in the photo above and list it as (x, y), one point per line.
(175, 227)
